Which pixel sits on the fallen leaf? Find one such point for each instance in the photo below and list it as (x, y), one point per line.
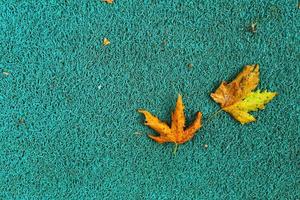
(106, 42)
(177, 132)
(108, 1)
(237, 97)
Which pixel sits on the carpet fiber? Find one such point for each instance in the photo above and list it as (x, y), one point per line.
(68, 122)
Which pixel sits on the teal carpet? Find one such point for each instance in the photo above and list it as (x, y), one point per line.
(68, 122)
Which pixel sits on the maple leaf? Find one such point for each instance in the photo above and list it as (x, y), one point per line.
(237, 97)
(108, 1)
(106, 42)
(177, 132)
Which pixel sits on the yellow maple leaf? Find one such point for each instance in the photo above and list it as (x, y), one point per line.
(106, 42)
(177, 132)
(237, 97)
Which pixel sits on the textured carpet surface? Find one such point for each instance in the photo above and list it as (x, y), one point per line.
(68, 119)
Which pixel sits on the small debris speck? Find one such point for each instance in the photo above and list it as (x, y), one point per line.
(21, 120)
(205, 146)
(190, 65)
(5, 73)
(253, 27)
(99, 87)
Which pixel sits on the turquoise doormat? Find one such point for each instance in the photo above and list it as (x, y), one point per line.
(69, 126)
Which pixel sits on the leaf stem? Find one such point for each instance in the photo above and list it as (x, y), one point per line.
(213, 115)
(175, 149)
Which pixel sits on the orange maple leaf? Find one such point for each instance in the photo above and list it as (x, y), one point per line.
(177, 132)
(237, 97)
